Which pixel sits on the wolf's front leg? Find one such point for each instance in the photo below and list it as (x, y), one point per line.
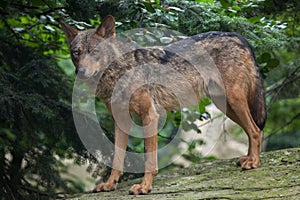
(121, 140)
(151, 169)
(150, 123)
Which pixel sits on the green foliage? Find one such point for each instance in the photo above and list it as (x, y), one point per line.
(283, 141)
(81, 10)
(196, 19)
(36, 123)
(285, 116)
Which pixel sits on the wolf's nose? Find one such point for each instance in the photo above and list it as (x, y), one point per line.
(80, 70)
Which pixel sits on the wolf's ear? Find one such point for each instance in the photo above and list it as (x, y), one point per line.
(69, 31)
(107, 28)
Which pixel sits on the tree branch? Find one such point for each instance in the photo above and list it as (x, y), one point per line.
(283, 126)
(280, 85)
(46, 12)
(22, 6)
(10, 29)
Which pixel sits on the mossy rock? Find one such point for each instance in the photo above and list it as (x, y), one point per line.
(277, 178)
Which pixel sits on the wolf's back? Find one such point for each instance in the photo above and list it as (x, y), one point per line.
(226, 48)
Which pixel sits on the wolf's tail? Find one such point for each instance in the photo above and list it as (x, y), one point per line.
(257, 103)
(256, 98)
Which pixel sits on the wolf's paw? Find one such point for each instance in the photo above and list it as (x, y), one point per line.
(137, 189)
(247, 162)
(105, 187)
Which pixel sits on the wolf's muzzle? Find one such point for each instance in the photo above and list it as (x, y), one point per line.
(80, 72)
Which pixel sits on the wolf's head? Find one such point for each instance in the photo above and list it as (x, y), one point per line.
(92, 50)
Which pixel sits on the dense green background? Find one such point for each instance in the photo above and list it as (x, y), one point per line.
(36, 77)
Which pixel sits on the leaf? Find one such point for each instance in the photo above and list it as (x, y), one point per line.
(203, 103)
(272, 63)
(9, 134)
(265, 57)
(200, 142)
(192, 146)
(254, 20)
(177, 118)
(232, 10)
(49, 28)
(204, 116)
(37, 2)
(166, 40)
(225, 3)
(176, 9)
(205, 1)
(149, 7)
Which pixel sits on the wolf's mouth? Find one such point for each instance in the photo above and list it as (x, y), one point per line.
(91, 78)
(82, 74)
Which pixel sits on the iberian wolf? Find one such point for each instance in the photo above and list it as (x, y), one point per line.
(98, 51)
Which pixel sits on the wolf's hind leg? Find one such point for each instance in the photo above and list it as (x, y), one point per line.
(238, 110)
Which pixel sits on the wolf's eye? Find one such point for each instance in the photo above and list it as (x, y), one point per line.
(76, 52)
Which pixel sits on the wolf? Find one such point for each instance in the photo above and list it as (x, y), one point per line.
(239, 84)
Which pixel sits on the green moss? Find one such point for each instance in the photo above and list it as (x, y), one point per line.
(277, 178)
